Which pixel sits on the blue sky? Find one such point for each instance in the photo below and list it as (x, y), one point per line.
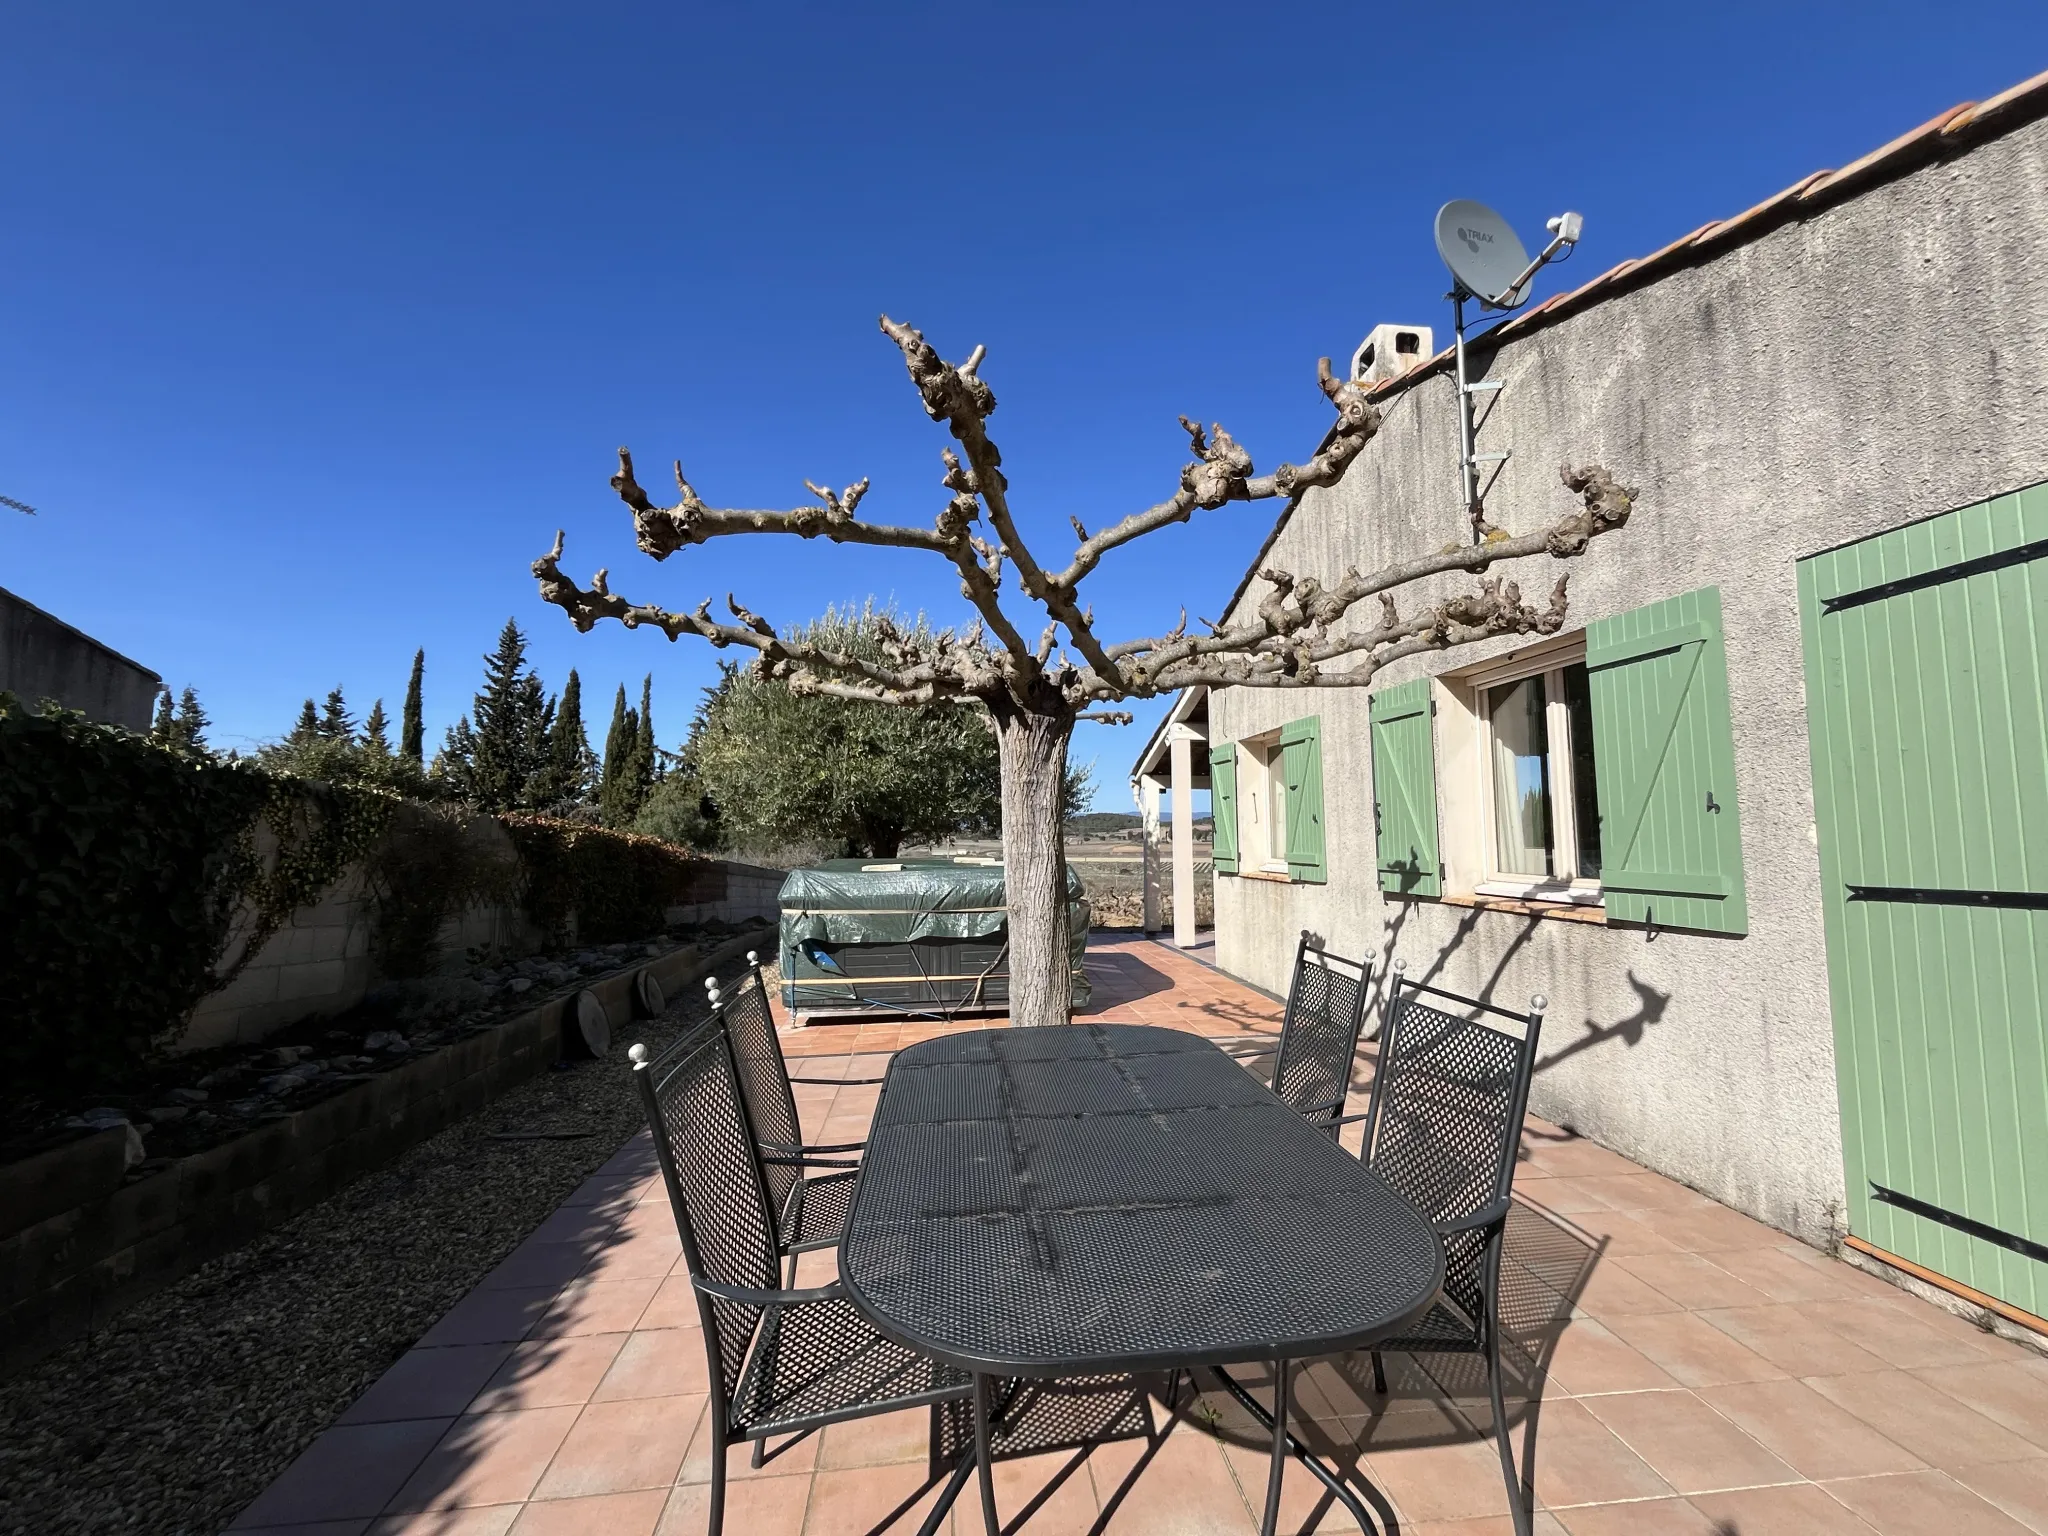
(315, 323)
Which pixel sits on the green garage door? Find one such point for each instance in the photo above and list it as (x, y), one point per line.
(1924, 681)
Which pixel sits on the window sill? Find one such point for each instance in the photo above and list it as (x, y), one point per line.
(1562, 910)
(1273, 875)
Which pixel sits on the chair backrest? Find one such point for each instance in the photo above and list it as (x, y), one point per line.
(1447, 1107)
(764, 1078)
(713, 1172)
(1319, 1035)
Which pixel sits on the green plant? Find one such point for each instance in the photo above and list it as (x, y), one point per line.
(598, 884)
(429, 866)
(130, 871)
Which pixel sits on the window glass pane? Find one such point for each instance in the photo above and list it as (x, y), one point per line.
(1578, 700)
(1521, 777)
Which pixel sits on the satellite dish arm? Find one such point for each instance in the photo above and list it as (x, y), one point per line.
(1565, 230)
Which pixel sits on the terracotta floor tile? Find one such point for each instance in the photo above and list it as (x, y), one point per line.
(1694, 1352)
(1055, 1487)
(1639, 1191)
(1576, 1158)
(486, 1458)
(607, 1514)
(620, 1446)
(1686, 1442)
(611, 1194)
(1928, 1422)
(762, 1506)
(856, 1502)
(877, 1441)
(1794, 1274)
(1305, 1504)
(657, 1362)
(318, 1528)
(349, 1472)
(575, 1224)
(1795, 1509)
(802, 1457)
(490, 1317)
(1562, 1195)
(674, 1304)
(1922, 1337)
(1692, 1280)
(1807, 1432)
(536, 1266)
(1624, 1231)
(598, 1306)
(1790, 1340)
(2020, 1488)
(2013, 1392)
(1711, 1228)
(494, 1520)
(1652, 1517)
(428, 1383)
(1460, 1481)
(1579, 1460)
(1588, 1357)
(550, 1373)
(1923, 1504)
(654, 1254)
(1547, 1524)
(1609, 1291)
(1183, 1486)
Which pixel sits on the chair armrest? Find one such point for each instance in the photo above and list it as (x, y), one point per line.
(806, 1162)
(838, 1082)
(1351, 1119)
(1491, 1214)
(753, 1298)
(1241, 1053)
(809, 1148)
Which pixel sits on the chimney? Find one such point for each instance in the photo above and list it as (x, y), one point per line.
(1390, 351)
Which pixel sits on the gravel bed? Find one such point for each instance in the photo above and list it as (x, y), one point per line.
(193, 1400)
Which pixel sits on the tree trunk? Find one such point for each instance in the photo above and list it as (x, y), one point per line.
(1034, 762)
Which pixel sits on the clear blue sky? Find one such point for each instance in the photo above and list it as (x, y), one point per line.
(315, 323)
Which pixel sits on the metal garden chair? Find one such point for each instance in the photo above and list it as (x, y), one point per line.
(1443, 1128)
(1318, 1034)
(810, 1211)
(782, 1361)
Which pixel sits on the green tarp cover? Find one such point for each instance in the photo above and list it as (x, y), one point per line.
(893, 901)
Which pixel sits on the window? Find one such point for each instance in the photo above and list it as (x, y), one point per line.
(1262, 804)
(1540, 801)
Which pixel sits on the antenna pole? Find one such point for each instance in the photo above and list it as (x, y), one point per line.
(1468, 467)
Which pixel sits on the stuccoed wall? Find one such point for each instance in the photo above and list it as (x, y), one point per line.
(1881, 362)
(42, 657)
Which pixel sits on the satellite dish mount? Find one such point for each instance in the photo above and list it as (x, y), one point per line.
(1487, 263)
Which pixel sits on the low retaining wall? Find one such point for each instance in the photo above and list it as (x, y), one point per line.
(77, 1243)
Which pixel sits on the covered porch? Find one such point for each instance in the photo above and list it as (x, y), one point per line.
(1174, 764)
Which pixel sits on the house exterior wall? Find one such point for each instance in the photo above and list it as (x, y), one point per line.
(1877, 363)
(42, 657)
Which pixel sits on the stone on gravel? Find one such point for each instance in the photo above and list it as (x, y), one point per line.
(190, 1095)
(519, 984)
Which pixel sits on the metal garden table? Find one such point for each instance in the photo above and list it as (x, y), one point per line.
(1107, 1198)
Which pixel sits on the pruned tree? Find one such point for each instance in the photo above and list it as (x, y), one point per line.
(1298, 634)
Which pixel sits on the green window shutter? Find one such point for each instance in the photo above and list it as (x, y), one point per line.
(1404, 790)
(1664, 760)
(1223, 804)
(1301, 749)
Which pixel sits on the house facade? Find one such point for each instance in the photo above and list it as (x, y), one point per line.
(1768, 821)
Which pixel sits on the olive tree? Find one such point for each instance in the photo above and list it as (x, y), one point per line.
(1299, 634)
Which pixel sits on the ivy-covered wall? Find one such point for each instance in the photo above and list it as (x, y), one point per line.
(136, 882)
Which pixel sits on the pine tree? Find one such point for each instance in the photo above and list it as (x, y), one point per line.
(498, 763)
(160, 733)
(336, 724)
(308, 727)
(412, 726)
(376, 737)
(567, 780)
(188, 730)
(617, 794)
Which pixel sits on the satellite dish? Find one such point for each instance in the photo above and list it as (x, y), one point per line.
(1482, 251)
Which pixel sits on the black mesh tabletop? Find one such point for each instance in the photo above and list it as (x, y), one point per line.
(1113, 1197)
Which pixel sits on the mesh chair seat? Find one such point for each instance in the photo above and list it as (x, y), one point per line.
(821, 1359)
(1443, 1331)
(822, 1208)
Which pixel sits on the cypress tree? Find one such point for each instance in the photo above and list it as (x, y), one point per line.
(412, 727)
(644, 760)
(616, 799)
(569, 758)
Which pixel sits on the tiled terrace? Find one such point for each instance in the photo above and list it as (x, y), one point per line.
(1698, 1373)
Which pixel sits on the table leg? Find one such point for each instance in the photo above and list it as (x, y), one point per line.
(1281, 1376)
(1300, 1452)
(983, 1411)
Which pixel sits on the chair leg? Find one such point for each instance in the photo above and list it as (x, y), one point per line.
(1379, 1374)
(716, 1524)
(1518, 1505)
(1278, 1466)
(982, 1412)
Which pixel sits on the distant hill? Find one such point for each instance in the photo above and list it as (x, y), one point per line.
(1101, 823)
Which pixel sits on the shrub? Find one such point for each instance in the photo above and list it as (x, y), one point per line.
(615, 885)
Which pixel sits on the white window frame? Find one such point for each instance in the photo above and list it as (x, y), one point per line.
(1547, 662)
(1262, 804)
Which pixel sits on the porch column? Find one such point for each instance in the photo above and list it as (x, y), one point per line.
(1182, 752)
(1148, 789)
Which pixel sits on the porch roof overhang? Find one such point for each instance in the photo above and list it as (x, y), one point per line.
(1190, 714)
